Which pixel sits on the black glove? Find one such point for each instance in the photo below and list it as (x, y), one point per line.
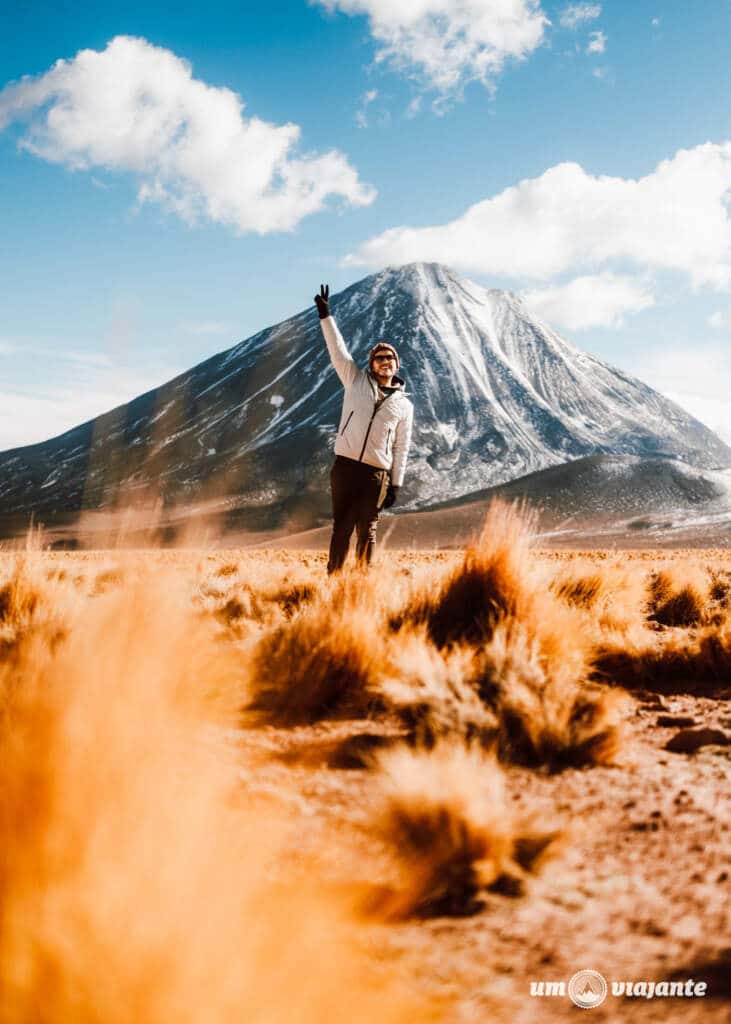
(391, 495)
(321, 301)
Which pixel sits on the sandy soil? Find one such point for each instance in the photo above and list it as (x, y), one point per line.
(640, 891)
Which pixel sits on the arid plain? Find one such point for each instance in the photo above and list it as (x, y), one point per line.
(234, 789)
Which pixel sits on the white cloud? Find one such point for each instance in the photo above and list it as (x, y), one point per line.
(574, 15)
(599, 300)
(720, 320)
(599, 73)
(698, 378)
(597, 43)
(655, 22)
(136, 107)
(447, 43)
(28, 419)
(88, 384)
(414, 107)
(361, 116)
(712, 410)
(566, 220)
(6, 348)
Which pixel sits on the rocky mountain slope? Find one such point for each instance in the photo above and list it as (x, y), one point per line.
(498, 394)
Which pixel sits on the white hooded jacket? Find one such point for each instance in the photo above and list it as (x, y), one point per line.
(377, 434)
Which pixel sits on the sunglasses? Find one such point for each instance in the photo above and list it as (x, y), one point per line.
(383, 359)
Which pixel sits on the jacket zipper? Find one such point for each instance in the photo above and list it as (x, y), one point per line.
(365, 439)
(346, 424)
(388, 438)
(370, 423)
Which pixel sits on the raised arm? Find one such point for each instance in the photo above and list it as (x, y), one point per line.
(341, 359)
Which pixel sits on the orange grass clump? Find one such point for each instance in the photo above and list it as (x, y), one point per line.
(324, 662)
(434, 695)
(697, 663)
(452, 835)
(133, 885)
(669, 606)
(31, 606)
(488, 586)
(579, 591)
(686, 597)
(549, 714)
(530, 662)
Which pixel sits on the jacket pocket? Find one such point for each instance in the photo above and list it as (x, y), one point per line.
(346, 423)
(388, 442)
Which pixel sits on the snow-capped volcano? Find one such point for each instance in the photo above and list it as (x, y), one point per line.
(497, 394)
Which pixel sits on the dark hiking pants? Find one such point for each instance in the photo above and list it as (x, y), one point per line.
(358, 493)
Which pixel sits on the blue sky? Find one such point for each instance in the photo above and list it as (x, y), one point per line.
(575, 152)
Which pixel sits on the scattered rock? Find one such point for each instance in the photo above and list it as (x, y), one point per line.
(687, 741)
(668, 721)
(716, 972)
(653, 701)
(653, 928)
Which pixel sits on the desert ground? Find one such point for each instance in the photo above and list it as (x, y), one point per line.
(232, 788)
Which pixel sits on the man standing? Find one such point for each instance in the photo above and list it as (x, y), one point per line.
(372, 443)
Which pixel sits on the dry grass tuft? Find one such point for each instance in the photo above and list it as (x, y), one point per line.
(31, 608)
(233, 610)
(227, 569)
(107, 580)
(132, 884)
(720, 587)
(489, 585)
(684, 607)
(449, 828)
(579, 591)
(434, 694)
(291, 598)
(323, 663)
(659, 589)
(549, 714)
(698, 663)
(526, 684)
(687, 596)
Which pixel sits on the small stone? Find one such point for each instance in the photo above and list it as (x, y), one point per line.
(668, 721)
(645, 826)
(653, 701)
(653, 928)
(687, 741)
